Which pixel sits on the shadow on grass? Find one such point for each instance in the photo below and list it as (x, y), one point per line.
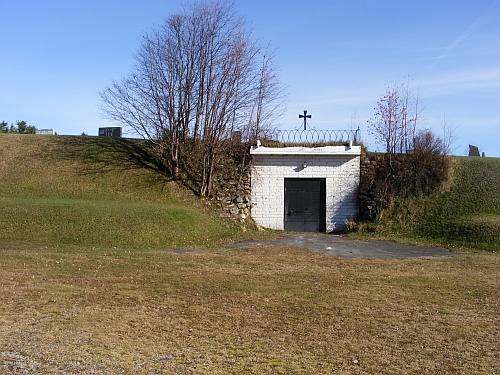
(105, 154)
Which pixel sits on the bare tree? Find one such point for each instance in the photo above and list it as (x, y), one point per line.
(198, 77)
(449, 135)
(396, 117)
(269, 103)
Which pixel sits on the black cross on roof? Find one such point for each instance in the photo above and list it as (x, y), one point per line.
(305, 116)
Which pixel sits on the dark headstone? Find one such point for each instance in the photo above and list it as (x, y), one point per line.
(110, 132)
(473, 151)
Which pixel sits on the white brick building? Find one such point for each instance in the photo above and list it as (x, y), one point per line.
(305, 189)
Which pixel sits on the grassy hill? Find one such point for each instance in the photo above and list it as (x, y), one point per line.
(466, 213)
(97, 191)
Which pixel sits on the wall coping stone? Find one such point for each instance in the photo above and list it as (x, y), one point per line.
(292, 151)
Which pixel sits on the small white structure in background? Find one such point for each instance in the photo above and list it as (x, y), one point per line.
(45, 131)
(305, 189)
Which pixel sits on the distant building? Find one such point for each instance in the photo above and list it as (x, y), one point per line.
(110, 132)
(45, 131)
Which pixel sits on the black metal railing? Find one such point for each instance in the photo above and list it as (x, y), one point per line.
(317, 136)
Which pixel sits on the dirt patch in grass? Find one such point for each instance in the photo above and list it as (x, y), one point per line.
(246, 311)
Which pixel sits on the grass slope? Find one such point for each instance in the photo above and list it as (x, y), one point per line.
(465, 214)
(96, 191)
(469, 213)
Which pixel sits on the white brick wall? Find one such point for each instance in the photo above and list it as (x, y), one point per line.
(339, 165)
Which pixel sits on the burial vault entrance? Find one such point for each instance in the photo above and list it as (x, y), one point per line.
(305, 189)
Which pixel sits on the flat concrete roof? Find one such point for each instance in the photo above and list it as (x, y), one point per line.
(326, 150)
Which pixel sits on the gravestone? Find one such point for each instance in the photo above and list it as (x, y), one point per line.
(110, 132)
(45, 131)
(473, 151)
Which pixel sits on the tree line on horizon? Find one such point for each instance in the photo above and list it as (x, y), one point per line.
(21, 127)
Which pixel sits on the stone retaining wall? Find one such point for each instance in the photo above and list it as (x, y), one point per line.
(234, 193)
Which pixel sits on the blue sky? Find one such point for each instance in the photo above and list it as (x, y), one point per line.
(336, 58)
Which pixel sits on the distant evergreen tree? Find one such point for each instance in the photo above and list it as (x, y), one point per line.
(21, 127)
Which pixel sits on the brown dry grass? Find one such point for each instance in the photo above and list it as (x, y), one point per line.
(246, 311)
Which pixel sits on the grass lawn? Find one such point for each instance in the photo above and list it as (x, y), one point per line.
(75, 309)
